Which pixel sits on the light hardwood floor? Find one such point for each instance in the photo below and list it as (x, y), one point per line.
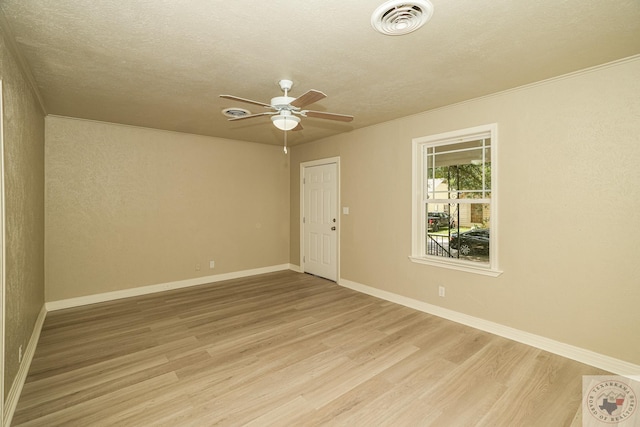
(286, 349)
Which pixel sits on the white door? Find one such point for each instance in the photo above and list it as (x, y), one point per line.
(320, 220)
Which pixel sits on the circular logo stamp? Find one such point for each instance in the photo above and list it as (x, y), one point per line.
(611, 401)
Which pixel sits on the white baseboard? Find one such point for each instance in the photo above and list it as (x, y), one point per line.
(616, 366)
(21, 377)
(296, 268)
(144, 290)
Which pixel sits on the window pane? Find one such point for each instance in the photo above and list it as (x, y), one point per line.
(455, 171)
(438, 223)
(458, 230)
(469, 177)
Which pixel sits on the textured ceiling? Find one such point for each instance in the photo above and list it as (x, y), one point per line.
(163, 64)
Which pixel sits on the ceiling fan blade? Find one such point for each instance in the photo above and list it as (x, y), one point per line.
(328, 116)
(248, 101)
(250, 116)
(309, 97)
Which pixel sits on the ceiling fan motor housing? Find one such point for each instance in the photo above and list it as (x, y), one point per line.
(281, 102)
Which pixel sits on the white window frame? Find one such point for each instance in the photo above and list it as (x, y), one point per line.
(419, 224)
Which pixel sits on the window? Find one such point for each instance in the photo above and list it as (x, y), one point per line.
(454, 200)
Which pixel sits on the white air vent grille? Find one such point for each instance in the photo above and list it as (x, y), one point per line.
(235, 112)
(397, 17)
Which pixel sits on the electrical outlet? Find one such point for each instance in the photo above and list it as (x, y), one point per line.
(198, 267)
(441, 291)
(20, 354)
(212, 264)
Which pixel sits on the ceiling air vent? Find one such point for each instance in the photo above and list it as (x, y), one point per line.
(397, 17)
(235, 112)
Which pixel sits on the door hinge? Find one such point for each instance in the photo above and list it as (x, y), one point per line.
(304, 220)
(304, 259)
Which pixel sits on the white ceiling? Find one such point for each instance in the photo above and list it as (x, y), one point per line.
(164, 63)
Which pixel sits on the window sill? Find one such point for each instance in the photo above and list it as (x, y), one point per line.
(485, 271)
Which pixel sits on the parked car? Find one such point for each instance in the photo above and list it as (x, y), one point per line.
(472, 242)
(438, 220)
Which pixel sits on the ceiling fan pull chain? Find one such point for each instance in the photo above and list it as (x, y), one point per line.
(285, 142)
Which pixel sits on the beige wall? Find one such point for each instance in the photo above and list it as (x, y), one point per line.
(23, 128)
(569, 209)
(129, 207)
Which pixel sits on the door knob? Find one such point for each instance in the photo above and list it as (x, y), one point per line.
(333, 228)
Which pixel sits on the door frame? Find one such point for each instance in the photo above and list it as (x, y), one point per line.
(303, 166)
(2, 260)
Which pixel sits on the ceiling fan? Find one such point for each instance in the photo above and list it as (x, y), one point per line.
(285, 109)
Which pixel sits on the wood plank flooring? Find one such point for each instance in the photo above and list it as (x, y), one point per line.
(286, 349)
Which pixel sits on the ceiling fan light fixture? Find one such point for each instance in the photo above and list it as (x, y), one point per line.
(398, 17)
(285, 121)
